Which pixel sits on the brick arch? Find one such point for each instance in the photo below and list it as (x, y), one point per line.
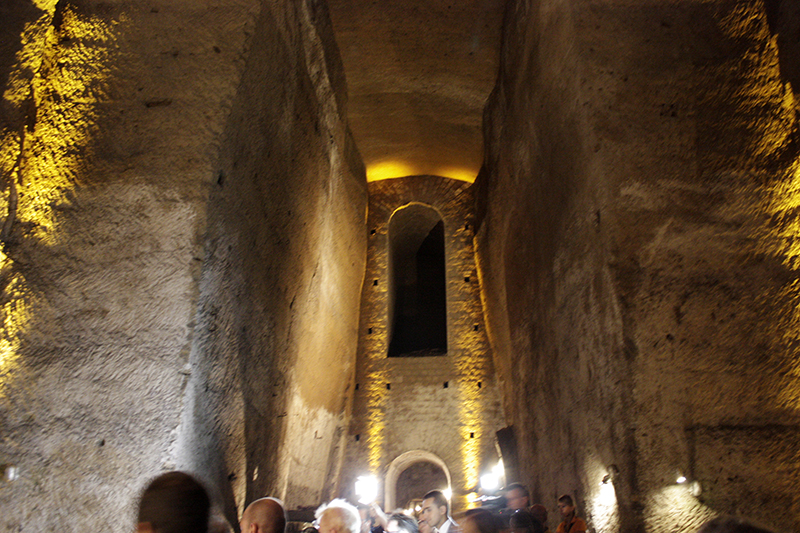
(399, 464)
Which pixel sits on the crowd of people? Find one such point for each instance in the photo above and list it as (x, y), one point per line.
(175, 502)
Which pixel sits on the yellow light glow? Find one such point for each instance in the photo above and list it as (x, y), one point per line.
(473, 365)
(389, 169)
(46, 5)
(54, 85)
(15, 315)
(471, 418)
(456, 173)
(400, 169)
(376, 419)
(60, 73)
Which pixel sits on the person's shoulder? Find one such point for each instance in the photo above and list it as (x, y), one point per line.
(452, 526)
(579, 525)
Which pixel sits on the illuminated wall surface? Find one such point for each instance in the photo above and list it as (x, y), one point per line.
(643, 287)
(184, 237)
(54, 89)
(445, 405)
(175, 243)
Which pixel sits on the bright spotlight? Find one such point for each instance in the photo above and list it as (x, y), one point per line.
(490, 481)
(366, 489)
(499, 469)
(448, 493)
(681, 479)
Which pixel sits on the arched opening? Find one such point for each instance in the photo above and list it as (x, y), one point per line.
(416, 480)
(411, 475)
(417, 296)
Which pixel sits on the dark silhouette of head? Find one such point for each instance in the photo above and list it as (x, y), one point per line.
(265, 515)
(539, 512)
(523, 521)
(480, 521)
(517, 496)
(174, 502)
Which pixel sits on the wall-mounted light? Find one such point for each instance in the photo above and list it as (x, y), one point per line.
(692, 486)
(366, 489)
(10, 472)
(447, 493)
(611, 476)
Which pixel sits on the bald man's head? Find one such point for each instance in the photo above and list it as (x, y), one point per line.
(266, 515)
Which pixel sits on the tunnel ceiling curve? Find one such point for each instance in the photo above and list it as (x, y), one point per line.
(418, 76)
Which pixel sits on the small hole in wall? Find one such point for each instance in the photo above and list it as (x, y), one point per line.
(446, 384)
(466, 278)
(388, 386)
(369, 331)
(356, 386)
(466, 226)
(472, 435)
(475, 327)
(479, 384)
(375, 282)
(372, 232)
(358, 438)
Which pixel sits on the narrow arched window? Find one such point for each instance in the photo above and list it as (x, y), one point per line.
(417, 296)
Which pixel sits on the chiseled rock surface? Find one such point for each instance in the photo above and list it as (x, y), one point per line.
(637, 251)
(188, 242)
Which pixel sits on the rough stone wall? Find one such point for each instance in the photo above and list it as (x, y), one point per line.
(285, 253)
(121, 123)
(636, 248)
(444, 405)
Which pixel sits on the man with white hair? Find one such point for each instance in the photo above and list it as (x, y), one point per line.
(338, 516)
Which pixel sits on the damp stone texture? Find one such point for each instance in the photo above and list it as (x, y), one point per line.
(182, 255)
(637, 247)
(438, 409)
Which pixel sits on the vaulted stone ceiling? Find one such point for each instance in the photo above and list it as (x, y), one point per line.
(418, 76)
